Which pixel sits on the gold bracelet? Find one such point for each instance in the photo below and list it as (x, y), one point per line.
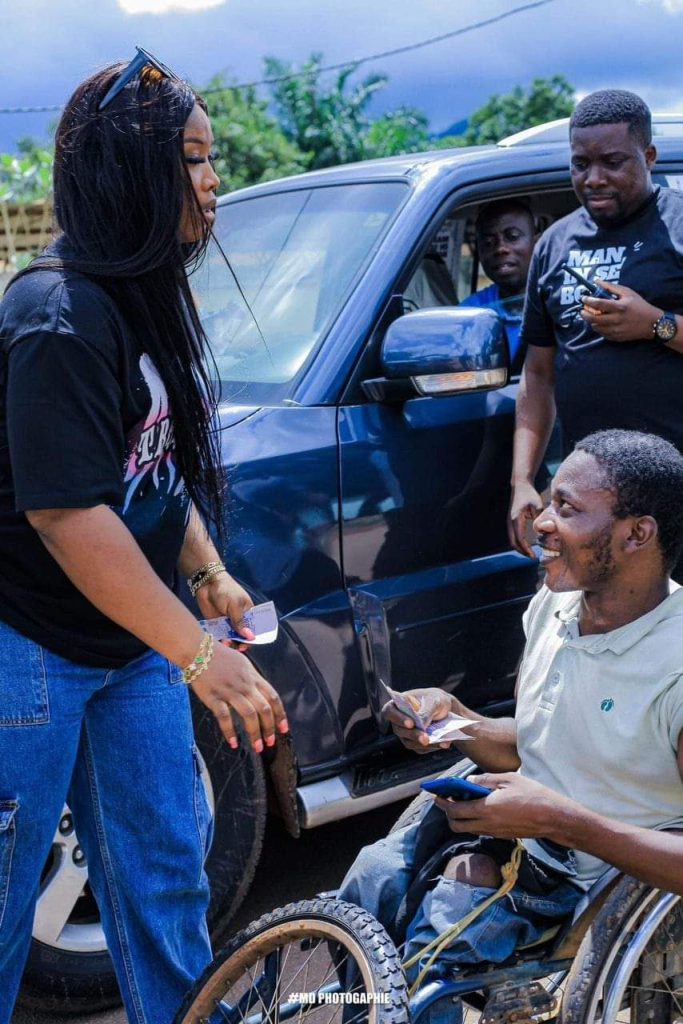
(193, 577)
(204, 575)
(201, 660)
(209, 575)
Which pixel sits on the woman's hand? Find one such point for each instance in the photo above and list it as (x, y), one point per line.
(231, 682)
(629, 318)
(223, 596)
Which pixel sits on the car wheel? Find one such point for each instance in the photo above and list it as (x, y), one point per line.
(69, 968)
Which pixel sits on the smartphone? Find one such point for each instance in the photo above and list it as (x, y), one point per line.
(456, 788)
(594, 289)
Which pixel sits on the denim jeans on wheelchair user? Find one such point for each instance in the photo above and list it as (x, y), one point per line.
(120, 743)
(380, 879)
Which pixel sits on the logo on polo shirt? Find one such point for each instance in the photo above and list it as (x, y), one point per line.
(607, 705)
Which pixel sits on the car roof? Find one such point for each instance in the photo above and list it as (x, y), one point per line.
(505, 159)
(663, 126)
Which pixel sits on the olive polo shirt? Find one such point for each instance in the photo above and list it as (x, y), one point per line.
(599, 716)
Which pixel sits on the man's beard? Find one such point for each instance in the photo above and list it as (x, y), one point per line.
(602, 561)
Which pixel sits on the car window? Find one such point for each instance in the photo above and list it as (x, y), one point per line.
(450, 270)
(294, 258)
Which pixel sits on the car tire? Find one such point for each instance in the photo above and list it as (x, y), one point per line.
(59, 977)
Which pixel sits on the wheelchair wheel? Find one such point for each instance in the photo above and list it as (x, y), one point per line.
(323, 960)
(629, 967)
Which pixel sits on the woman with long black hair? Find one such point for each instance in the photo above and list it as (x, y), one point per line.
(109, 471)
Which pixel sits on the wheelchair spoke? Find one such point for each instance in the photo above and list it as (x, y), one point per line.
(304, 967)
(246, 1003)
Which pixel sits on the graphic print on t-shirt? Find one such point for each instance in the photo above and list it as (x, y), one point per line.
(605, 263)
(152, 452)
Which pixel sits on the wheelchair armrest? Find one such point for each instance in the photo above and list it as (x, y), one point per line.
(461, 769)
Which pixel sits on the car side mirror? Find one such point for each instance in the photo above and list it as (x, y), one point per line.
(444, 351)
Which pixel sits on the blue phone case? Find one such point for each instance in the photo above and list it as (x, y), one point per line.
(456, 788)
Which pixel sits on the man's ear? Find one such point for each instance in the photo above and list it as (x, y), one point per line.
(643, 532)
(650, 156)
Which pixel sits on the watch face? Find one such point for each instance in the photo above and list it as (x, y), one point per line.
(665, 328)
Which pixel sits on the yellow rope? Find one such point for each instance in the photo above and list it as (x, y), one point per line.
(509, 874)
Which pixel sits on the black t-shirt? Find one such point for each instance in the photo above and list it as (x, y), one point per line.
(599, 384)
(84, 421)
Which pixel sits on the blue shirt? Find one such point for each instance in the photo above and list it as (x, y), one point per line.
(509, 310)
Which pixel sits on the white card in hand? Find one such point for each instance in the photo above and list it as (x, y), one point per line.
(261, 620)
(449, 728)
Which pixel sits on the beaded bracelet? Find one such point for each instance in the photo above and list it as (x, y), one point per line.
(200, 577)
(201, 660)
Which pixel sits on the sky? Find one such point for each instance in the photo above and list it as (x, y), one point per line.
(51, 45)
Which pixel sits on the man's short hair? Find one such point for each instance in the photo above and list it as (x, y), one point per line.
(646, 474)
(614, 106)
(501, 207)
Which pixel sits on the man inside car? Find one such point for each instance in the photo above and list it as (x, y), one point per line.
(505, 244)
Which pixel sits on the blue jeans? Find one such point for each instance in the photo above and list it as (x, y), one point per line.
(379, 879)
(120, 743)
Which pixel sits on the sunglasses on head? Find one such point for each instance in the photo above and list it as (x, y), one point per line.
(141, 59)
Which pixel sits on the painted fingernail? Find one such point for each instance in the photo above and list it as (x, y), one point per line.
(270, 741)
(283, 726)
(258, 746)
(232, 742)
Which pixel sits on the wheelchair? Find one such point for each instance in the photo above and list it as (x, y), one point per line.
(618, 961)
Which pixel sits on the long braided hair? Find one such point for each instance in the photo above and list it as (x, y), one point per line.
(121, 186)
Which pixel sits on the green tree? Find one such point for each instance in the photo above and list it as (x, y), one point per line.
(404, 130)
(330, 124)
(544, 100)
(250, 145)
(27, 176)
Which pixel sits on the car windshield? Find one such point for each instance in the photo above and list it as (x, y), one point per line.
(294, 257)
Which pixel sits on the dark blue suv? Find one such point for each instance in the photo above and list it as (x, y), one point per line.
(368, 451)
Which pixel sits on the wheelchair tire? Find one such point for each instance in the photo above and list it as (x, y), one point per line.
(629, 967)
(262, 965)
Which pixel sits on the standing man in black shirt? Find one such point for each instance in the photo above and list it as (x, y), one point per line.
(601, 363)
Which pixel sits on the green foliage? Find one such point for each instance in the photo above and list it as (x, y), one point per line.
(329, 124)
(250, 144)
(449, 142)
(332, 124)
(404, 130)
(545, 100)
(27, 177)
(317, 126)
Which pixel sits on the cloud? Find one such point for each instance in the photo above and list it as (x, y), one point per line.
(166, 6)
(670, 6)
(51, 47)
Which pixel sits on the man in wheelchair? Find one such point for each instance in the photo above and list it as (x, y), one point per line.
(587, 775)
(589, 772)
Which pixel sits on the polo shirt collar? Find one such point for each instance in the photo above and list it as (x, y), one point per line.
(623, 638)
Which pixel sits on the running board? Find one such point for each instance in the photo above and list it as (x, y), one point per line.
(319, 803)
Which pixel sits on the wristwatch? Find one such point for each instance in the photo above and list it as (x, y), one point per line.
(664, 329)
